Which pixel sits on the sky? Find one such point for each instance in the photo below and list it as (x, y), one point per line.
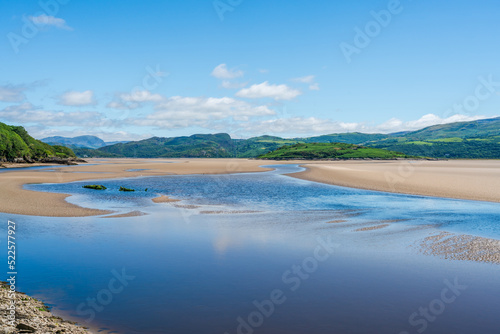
(130, 69)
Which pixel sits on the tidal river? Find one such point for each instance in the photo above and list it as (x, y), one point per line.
(262, 253)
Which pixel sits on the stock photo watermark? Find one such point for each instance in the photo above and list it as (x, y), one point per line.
(429, 313)
(292, 279)
(223, 6)
(486, 89)
(104, 297)
(371, 30)
(12, 272)
(33, 24)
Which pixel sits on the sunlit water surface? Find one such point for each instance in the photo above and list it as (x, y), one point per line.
(237, 240)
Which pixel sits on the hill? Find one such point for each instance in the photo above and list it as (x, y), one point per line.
(196, 146)
(327, 151)
(464, 140)
(16, 145)
(92, 142)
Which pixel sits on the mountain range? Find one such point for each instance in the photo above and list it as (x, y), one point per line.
(466, 140)
(80, 141)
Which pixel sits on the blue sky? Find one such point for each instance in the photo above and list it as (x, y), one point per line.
(133, 69)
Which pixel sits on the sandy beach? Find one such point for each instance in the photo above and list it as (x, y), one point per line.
(463, 179)
(474, 179)
(16, 200)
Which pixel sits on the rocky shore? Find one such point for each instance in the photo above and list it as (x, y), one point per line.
(20, 162)
(31, 315)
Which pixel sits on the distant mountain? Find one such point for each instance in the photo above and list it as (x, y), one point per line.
(467, 140)
(16, 145)
(79, 142)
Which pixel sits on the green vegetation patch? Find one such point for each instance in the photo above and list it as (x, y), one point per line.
(126, 189)
(327, 151)
(95, 187)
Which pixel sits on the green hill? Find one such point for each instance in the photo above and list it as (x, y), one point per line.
(326, 151)
(464, 140)
(16, 145)
(196, 146)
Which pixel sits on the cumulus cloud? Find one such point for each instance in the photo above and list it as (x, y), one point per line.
(293, 126)
(134, 100)
(222, 72)
(26, 113)
(266, 90)
(74, 98)
(396, 125)
(10, 93)
(46, 20)
(178, 111)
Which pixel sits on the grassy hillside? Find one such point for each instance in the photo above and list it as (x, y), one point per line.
(465, 140)
(342, 151)
(196, 146)
(17, 145)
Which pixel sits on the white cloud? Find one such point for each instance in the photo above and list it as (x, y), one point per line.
(11, 93)
(134, 99)
(277, 92)
(177, 112)
(141, 96)
(295, 126)
(26, 113)
(222, 72)
(396, 125)
(307, 79)
(46, 20)
(74, 98)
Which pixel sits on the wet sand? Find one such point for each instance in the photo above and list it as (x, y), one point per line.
(462, 179)
(473, 179)
(16, 200)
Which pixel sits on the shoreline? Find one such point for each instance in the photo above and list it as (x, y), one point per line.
(476, 180)
(32, 315)
(459, 179)
(14, 199)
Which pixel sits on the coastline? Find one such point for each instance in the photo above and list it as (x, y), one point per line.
(477, 180)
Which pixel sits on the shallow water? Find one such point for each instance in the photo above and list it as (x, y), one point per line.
(196, 272)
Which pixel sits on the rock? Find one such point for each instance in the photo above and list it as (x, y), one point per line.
(25, 328)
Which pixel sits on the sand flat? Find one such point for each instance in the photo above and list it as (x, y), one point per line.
(16, 200)
(463, 179)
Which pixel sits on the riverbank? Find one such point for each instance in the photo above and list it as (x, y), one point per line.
(462, 179)
(16, 200)
(32, 316)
